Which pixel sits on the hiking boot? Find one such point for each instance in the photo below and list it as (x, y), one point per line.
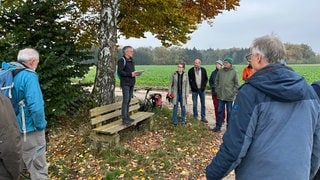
(130, 119)
(204, 120)
(216, 130)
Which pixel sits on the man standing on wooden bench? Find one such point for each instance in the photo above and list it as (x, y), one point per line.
(126, 71)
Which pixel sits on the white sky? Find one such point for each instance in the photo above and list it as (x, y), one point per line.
(294, 21)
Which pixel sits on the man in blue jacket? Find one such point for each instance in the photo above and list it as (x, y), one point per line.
(274, 130)
(31, 118)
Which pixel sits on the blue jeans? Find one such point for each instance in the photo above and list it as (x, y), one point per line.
(202, 95)
(127, 93)
(221, 107)
(175, 110)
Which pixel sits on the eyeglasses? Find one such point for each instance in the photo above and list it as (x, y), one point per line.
(248, 57)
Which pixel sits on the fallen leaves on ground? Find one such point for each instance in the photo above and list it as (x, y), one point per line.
(161, 153)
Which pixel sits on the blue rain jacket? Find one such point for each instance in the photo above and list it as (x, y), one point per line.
(27, 87)
(274, 130)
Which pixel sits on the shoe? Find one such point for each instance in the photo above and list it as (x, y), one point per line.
(204, 120)
(126, 123)
(130, 119)
(216, 130)
(183, 122)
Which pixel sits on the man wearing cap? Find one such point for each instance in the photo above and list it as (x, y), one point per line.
(227, 84)
(219, 65)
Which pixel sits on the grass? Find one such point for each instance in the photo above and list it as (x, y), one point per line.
(159, 75)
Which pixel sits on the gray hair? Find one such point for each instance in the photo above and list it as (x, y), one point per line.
(270, 48)
(27, 54)
(125, 48)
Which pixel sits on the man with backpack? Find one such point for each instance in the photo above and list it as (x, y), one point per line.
(10, 141)
(30, 116)
(126, 71)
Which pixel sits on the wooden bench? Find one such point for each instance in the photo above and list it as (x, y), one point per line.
(106, 121)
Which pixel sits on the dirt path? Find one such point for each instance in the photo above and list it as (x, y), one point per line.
(209, 105)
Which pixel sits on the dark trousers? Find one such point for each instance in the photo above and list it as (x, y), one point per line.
(221, 110)
(127, 93)
(202, 95)
(216, 107)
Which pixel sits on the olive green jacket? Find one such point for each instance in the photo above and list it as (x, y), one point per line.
(227, 84)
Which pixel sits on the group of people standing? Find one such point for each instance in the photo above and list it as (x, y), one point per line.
(224, 85)
(273, 119)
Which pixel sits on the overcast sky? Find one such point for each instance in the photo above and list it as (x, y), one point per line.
(294, 21)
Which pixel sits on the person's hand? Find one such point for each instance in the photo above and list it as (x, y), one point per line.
(133, 74)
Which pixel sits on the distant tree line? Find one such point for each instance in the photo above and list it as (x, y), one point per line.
(296, 54)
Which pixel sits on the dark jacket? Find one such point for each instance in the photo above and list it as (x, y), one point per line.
(125, 71)
(274, 129)
(10, 141)
(211, 82)
(192, 79)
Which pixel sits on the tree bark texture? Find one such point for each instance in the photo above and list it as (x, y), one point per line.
(104, 86)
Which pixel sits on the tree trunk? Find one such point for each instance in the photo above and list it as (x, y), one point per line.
(104, 86)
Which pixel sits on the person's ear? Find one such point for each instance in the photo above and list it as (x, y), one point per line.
(259, 58)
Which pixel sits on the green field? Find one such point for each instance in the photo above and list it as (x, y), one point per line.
(159, 75)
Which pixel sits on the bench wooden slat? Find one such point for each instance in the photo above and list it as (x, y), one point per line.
(106, 121)
(105, 109)
(117, 113)
(134, 107)
(99, 119)
(117, 126)
(97, 111)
